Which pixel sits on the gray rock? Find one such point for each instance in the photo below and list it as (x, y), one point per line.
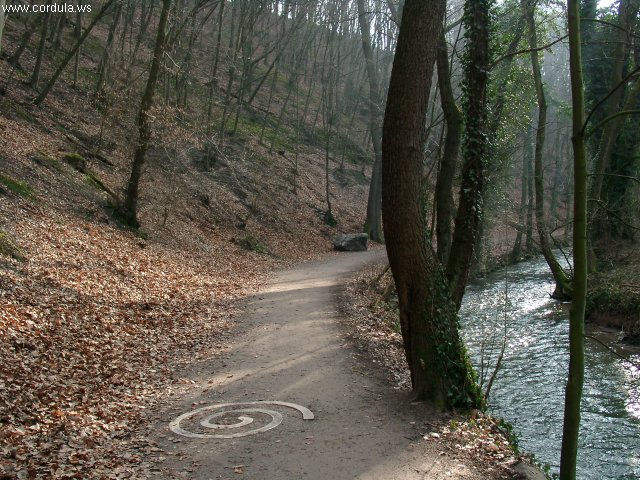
(351, 242)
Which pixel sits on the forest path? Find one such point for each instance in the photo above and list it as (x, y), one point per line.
(291, 348)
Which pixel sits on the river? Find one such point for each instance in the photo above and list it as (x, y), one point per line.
(529, 388)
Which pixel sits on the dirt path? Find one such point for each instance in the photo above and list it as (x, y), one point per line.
(292, 349)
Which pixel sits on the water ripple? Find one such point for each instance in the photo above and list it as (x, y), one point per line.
(529, 389)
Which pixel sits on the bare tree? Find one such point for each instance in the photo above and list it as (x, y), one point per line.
(129, 209)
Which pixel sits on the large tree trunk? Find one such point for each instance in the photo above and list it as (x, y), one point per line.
(563, 283)
(129, 209)
(440, 370)
(573, 392)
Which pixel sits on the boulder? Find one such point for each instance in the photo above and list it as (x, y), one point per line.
(351, 242)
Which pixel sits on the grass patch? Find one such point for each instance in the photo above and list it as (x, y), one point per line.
(15, 186)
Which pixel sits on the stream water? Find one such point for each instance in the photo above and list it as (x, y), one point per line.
(529, 388)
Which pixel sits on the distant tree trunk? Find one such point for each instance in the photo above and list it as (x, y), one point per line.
(627, 13)
(129, 210)
(440, 370)
(575, 381)
(146, 14)
(104, 65)
(45, 91)
(563, 283)
(558, 149)
(449, 161)
(213, 83)
(77, 34)
(528, 159)
(29, 30)
(35, 75)
(373, 223)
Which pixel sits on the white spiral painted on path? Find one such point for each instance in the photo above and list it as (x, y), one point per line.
(210, 421)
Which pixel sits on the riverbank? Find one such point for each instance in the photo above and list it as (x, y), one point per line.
(369, 308)
(614, 293)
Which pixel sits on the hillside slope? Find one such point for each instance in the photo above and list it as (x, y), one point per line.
(96, 317)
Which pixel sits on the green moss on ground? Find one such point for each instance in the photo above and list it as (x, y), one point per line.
(252, 244)
(49, 162)
(16, 186)
(77, 161)
(9, 248)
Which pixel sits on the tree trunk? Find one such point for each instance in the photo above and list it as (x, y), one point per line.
(77, 32)
(129, 209)
(440, 370)
(517, 246)
(29, 30)
(563, 283)
(373, 223)
(476, 146)
(449, 162)
(573, 392)
(35, 75)
(40, 98)
(104, 65)
(627, 12)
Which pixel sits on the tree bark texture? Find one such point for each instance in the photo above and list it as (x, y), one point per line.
(440, 369)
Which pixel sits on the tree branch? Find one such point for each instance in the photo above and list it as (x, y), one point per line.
(628, 177)
(622, 357)
(608, 119)
(528, 50)
(606, 97)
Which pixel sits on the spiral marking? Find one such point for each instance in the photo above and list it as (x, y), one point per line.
(209, 422)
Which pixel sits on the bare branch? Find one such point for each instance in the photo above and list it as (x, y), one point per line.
(528, 50)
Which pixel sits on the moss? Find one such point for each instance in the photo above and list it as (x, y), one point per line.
(252, 244)
(15, 186)
(10, 249)
(47, 161)
(22, 113)
(77, 161)
(92, 179)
